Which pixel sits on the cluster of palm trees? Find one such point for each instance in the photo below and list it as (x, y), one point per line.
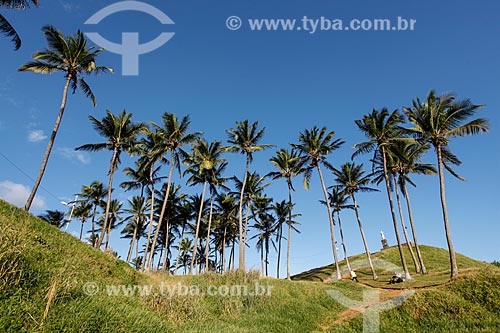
(201, 227)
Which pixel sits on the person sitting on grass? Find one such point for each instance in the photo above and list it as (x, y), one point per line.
(396, 278)
(354, 277)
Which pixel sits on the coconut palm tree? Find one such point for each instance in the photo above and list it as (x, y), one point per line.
(136, 222)
(314, 146)
(174, 136)
(5, 27)
(94, 194)
(289, 165)
(282, 211)
(378, 177)
(115, 220)
(185, 214)
(120, 134)
(72, 56)
(338, 202)
(83, 211)
(244, 139)
(437, 120)
(382, 128)
(265, 223)
(407, 159)
(227, 218)
(54, 217)
(351, 179)
(205, 165)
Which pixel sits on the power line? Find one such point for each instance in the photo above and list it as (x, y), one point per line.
(28, 176)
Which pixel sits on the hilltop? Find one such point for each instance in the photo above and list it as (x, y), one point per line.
(45, 276)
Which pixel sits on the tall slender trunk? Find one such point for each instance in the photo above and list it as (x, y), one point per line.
(151, 221)
(405, 232)
(245, 227)
(393, 215)
(289, 240)
(342, 241)
(129, 255)
(267, 253)
(413, 230)
(108, 202)
(45, 160)
(166, 247)
(179, 249)
(164, 205)
(195, 243)
(330, 217)
(280, 236)
(207, 250)
(368, 255)
(261, 254)
(451, 250)
(81, 229)
(94, 214)
(107, 236)
(223, 250)
(240, 218)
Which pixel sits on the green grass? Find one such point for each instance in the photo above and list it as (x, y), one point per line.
(34, 257)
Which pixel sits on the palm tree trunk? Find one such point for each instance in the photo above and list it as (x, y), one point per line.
(393, 215)
(405, 233)
(195, 243)
(167, 237)
(240, 218)
(413, 230)
(223, 251)
(451, 250)
(108, 203)
(245, 227)
(267, 253)
(335, 258)
(129, 255)
(151, 220)
(164, 205)
(208, 232)
(107, 237)
(343, 243)
(45, 160)
(93, 225)
(261, 254)
(81, 229)
(179, 249)
(280, 236)
(368, 255)
(289, 240)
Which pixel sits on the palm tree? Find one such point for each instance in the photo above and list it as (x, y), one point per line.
(253, 190)
(315, 144)
(93, 194)
(226, 215)
(436, 120)
(379, 177)
(68, 54)
(174, 136)
(83, 211)
(282, 210)
(407, 157)
(266, 224)
(289, 165)
(54, 217)
(136, 222)
(205, 165)
(114, 220)
(382, 128)
(245, 139)
(351, 179)
(121, 134)
(338, 201)
(5, 27)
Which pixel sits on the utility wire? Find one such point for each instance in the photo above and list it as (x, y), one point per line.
(28, 176)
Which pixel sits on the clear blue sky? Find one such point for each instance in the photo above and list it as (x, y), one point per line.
(288, 81)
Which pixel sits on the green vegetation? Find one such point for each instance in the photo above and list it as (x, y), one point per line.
(43, 270)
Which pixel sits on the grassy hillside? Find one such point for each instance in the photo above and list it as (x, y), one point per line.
(44, 276)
